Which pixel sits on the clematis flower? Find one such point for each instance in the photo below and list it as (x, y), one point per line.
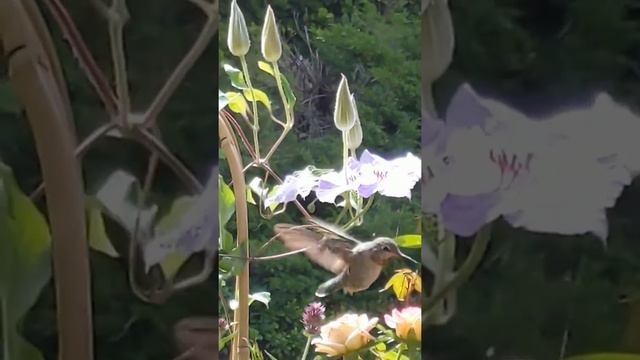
(554, 175)
(344, 335)
(407, 322)
(299, 183)
(369, 175)
(192, 232)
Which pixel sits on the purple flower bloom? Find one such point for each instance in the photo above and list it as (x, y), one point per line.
(555, 175)
(299, 183)
(369, 175)
(312, 318)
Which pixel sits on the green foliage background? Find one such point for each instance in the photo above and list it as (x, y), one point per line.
(376, 45)
(531, 290)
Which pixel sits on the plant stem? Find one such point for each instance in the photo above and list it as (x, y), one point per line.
(306, 348)
(287, 107)
(345, 155)
(287, 112)
(177, 76)
(475, 256)
(119, 15)
(364, 210)
(254, 103)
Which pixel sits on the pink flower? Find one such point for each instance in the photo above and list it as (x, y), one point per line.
(407, 322)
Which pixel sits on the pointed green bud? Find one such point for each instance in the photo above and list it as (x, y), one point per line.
(354, 135)
(344, 114)
(271, 46)
(238, 35)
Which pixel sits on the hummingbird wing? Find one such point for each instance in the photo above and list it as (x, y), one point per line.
(325, 249)
(326, 228)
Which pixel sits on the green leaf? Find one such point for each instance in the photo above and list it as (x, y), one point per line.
(260, 95)
(172, 262)
(25, 246)
(413, 241)
(288, 93)
(237, 103)
(226, 202)
(263, 297)
(234, 263)
(605, 356)
(188, 228)
(98, 238)
(249, 195)
(236, 77)
(226, 240)
(222, 342)
(266, 67)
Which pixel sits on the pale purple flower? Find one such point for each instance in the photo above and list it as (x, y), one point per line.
(369, 175)
(299, 183)
(372, 174)
(554, 175)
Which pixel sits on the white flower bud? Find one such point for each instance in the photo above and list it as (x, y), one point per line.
(344, 114)
(271, 46)
(238, 35)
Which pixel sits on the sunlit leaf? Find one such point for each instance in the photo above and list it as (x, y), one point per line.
(412, 241)
(98, 238)
(288, 92)
(266, 67)
(173, 261)
(403, 283)
(236, 77)
(226, 202)
(249, 195)
(25, 245)
(226, 208)
(237, 103)
(260, 97)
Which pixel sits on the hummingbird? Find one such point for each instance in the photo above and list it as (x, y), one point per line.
(356, 264)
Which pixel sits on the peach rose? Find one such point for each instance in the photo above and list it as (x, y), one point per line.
(405, 320)
(346, 334)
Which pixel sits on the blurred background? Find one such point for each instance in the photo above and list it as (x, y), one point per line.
(157, 36)
(535, 296)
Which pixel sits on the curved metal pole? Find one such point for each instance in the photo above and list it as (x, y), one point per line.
(35, 78)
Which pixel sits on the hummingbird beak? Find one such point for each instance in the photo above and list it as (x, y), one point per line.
(407, 257)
